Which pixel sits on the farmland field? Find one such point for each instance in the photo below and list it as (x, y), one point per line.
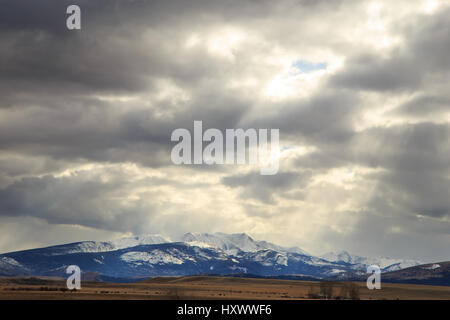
(202, 287)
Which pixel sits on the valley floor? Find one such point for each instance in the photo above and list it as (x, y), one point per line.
(202, 287)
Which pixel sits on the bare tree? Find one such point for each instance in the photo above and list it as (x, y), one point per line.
(326, 289)
(312, 293)
(349, 290)
(173, 294)
(354, 291)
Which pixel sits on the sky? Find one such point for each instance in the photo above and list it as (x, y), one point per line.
(358, 89)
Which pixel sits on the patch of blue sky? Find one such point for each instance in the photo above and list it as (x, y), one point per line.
(308, 66)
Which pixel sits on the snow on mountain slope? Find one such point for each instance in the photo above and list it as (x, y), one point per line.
(390, 264)
(386, 264)
(152, 257)
(88, 246)
(217, 253)
(136, 241)
(268, 245)
(9, 266)
(234, 243)
(120, 243)
(270, 258)
(230, 243)
(343, 256)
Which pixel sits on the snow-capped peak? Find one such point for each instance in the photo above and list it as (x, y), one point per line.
(386, 264)
(116, 244)
(237, 245)
(230, 243)
(219, 253)
(128, 242)
(234, 243)
(342, 256)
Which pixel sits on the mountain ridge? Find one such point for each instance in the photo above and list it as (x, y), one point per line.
(154, 255)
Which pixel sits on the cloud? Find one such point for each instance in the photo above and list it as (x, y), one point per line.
(422, 58)
(423, 106)
(264, 188)
(359, 92)
(80, 199)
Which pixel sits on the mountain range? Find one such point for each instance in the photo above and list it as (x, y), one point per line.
(219, 253)
(361, 263)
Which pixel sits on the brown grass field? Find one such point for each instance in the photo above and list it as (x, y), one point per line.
(202, 287)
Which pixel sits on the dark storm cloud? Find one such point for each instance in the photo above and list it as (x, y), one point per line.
(418, 176)
(123, 45)
(324, 118)
(16, 165)
(414, 192)
(392, 234)
(109, 53)
(120, 46)
(82, 198)
(323, 160)
(85, 63)
(94, 130)
(424, 105)
(50, 79)
(413, 159)
(424, 56)
(415, 165)
(369, 72)
(420, 147)
(42, 15)
(114, 91)
(264, 188)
